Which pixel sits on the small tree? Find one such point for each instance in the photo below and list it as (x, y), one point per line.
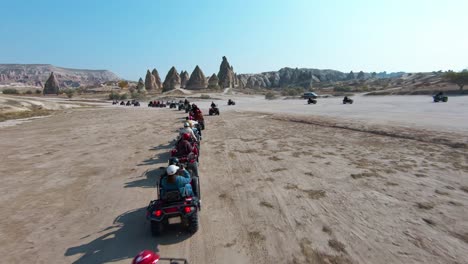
(270, 96)
(114, 96)
(69, 93)
(458, 78)
(123, 84)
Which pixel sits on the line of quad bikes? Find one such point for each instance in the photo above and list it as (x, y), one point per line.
(438, 97)
(171, 208)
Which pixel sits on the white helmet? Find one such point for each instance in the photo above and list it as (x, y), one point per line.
(172, 169)
(186, 124)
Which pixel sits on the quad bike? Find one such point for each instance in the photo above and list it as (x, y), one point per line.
(181, 107)
(188, 108)
(122, 103)
(171, 208)
(114, 102)
(173, 105)
(150, 104)
(440, 98)
(346, 100)
(311, 101)
(136, 104)
(213, 111)
(231, 102)
(128, 103)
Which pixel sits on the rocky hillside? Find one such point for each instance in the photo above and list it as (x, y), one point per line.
(37, 74)
(301, 77)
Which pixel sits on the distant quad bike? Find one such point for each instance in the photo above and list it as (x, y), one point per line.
(136, 103)
(440, 98)
(173, 105)
(231, 102)
(311, 101)
(181, 107)
(150, 104)
(346, 100)
(171, 209)
(213, 111)
(122, 103)
(128, 103)
(188, 108)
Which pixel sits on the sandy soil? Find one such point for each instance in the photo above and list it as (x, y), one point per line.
(277, 186)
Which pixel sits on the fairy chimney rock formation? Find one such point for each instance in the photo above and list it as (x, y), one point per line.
(172, 80)
(184, 77)
(213, 82)
(197, 80)
(150, 81)
(52, 85)
(141, 86)
(226, 74)
(157, 79)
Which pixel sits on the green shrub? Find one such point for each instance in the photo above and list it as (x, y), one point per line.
(270, 96)
(342, 89)
(28, 92)
(114, 96)
(69, 92)
(123, 96)
(10, 91)
(293, 91)
(137, 96)
(38, 91)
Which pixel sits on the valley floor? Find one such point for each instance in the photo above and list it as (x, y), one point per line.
(277, 186)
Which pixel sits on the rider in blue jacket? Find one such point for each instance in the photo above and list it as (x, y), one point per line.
(177, 179)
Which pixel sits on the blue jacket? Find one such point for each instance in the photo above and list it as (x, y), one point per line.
(182, 184)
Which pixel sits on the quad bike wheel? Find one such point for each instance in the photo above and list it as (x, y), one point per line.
(156, 228)
(193, 223)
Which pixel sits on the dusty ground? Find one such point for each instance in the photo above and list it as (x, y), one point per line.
(276, 187)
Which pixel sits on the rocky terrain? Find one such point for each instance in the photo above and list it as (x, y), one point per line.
(172, 80)
(184, 78)
(302, 77)
(37, 74)
(197, 80)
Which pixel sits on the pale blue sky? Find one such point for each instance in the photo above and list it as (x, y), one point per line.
(130, 36)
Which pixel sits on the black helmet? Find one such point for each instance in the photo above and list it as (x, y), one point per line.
(173, 161)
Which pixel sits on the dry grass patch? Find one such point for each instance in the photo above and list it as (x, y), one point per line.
(366, 174)
(462, 236)
(315, 194)
(327, 230)
(266, 204)
(425, 205)
(274, 158)
(337, 245)
(464, 188)
(256, 236)
(24, 114)
(278, 169)
(441, 192)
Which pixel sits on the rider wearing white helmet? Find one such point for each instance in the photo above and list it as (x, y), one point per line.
(174, 181)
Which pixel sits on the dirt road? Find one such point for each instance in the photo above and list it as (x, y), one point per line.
(275, 188)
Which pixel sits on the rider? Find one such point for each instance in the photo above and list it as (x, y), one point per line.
(187, 129)
(146, 257)
(184, 148)
(213, 105)
(345, 98)
(174, 181)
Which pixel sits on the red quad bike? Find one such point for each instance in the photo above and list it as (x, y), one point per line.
(171, 209)
(150, 257)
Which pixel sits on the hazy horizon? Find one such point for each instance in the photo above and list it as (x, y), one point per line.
(129, 38)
